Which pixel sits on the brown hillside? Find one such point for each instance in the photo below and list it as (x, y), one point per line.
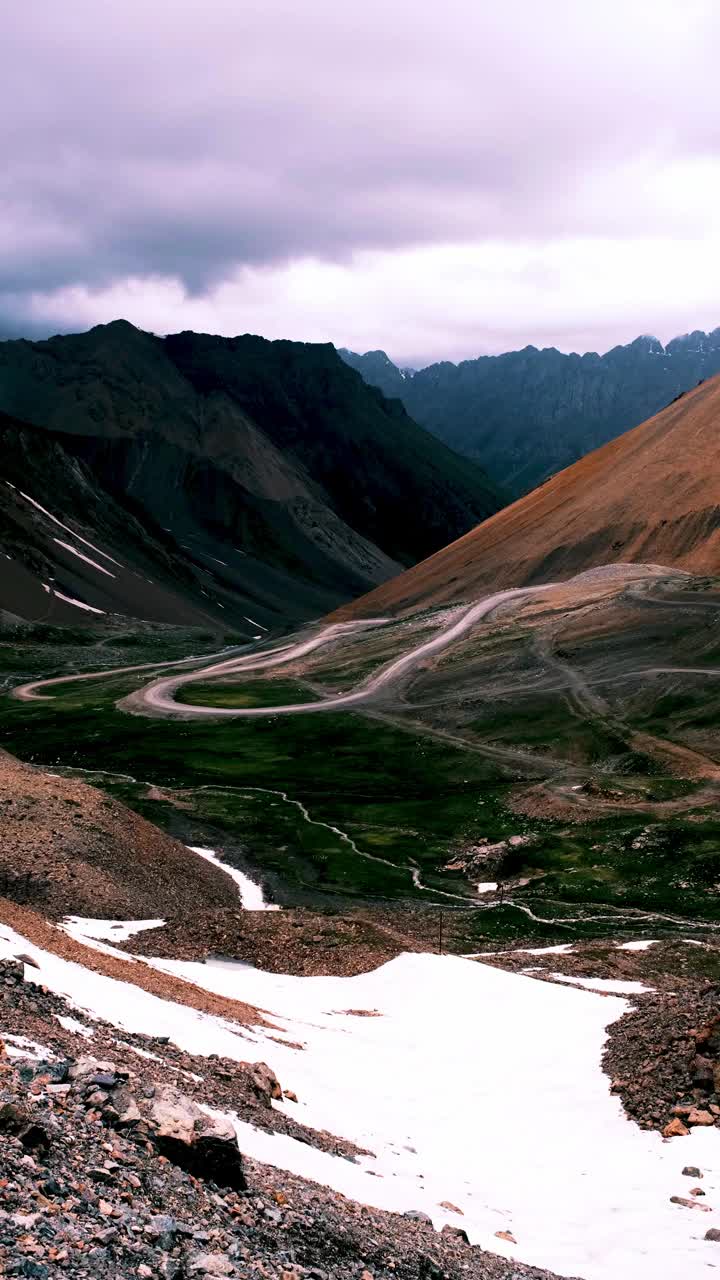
(651, 496)
(67, 849)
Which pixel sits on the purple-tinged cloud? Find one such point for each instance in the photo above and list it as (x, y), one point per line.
(189, 149)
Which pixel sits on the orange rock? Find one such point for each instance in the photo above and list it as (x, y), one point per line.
(506, 1235)
(700, 1117)
(675, 1129)
(448, 1204)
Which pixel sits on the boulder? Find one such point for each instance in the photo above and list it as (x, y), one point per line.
(691, 1171)
(126, 1107)
(264, 1081)
(675, 1129)
(712, 1234)
(708, 1038)
(86, 1067)
(690, 1204)
(203, 1144)
(458, 1233)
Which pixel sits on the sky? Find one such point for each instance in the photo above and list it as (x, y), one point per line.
(439, 180)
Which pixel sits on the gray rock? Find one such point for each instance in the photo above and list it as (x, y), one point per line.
(211, 1264)
(205, 1145)
(86, 1066)
(126, 1106)
(162, 1228)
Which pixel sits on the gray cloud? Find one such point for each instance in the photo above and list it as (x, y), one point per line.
(187, 141)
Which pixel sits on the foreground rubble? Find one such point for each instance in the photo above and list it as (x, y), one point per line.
(120, 1166)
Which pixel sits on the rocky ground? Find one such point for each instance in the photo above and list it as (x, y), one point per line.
(296, 940)
(664, 1060)
(67, 848)
(108, 1166)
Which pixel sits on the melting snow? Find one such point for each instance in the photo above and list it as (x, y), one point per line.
(618, 987)
(560, 950)
(487, 886)
(72, 1024)
(79, 604)
(80, 556)
(638, 946)
(22, 1047)
(252, 897)
(475, 1085)
(85, 928)
(66, 527)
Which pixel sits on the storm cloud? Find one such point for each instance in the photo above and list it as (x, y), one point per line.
(513, 172)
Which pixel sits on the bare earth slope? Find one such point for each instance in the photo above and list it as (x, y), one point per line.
(649, 496)
(68, 848)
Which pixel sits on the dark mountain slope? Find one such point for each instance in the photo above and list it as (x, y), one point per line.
(649, 497)
(71, 552)
(527, 414)
(299, 485)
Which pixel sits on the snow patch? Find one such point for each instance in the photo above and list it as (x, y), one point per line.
(605, 984)
(80, 556)
(66, 527)
(638, 946)
(487, 886)
(79, 604)
(582, 1188)
(252, 897)
(22, 1047)
(72, 1024)
(84, 928)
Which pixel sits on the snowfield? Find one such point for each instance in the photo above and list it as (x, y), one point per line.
(474, 1086)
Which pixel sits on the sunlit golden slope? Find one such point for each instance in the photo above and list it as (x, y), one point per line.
(652, 496)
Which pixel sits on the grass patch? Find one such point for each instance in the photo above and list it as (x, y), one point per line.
(249, 693)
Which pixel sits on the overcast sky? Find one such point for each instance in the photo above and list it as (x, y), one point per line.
(440, 180)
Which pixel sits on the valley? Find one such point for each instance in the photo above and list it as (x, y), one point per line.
(385, 848)
(505, 806)
(557, 742)
(359, 717)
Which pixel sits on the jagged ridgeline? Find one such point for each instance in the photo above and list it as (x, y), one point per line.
(526, 414)
(261, 478)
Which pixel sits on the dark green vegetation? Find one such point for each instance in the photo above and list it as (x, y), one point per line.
(252, 693)
(558, 725)
(33, 651)
(260, 480)
(527, 414)
(401, 797)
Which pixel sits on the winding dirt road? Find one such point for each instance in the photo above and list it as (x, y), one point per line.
(158, 698)
(29, 692)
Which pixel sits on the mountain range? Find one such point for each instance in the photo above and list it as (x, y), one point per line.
(527, 414)
(649, 497)
(237, 475)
